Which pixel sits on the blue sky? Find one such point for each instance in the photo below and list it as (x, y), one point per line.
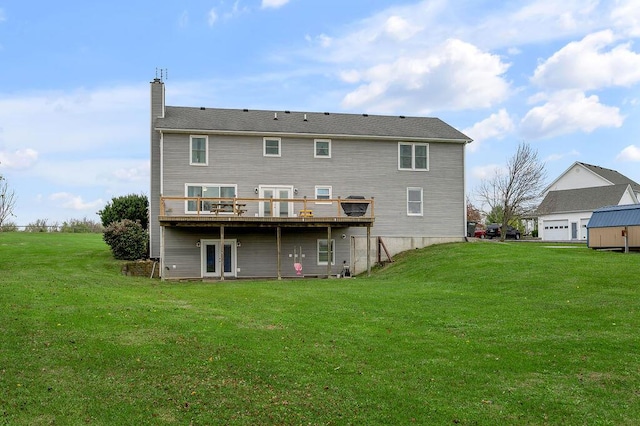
(74, 80)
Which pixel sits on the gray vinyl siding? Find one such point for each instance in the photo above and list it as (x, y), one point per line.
(356, 167)
(157, 97)
(257, 253)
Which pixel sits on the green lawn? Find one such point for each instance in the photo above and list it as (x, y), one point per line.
(475, 334)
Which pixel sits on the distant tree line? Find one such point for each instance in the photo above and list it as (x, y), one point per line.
(78, 226)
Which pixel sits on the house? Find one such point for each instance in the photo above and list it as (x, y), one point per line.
(570, 200)
(615, 227)
(238, 193)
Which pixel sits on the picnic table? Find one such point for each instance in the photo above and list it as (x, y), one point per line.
(237, 209)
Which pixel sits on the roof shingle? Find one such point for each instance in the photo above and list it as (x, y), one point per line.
(583, 199)
(221, 120)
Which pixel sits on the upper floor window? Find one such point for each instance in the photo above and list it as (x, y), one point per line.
(271, 147)
(322, 148)
(323, 193)
(413, 156)
(207, 191)
(414, 201)
(199, 145)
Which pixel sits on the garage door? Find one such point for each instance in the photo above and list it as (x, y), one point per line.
(556, 230)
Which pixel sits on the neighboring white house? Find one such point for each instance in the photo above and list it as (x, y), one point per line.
(571, 199)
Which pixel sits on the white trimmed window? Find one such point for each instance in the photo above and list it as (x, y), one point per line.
(323, 193)
(207, 191)
(322, 148)
(271, 147)
(199, 150)
(414, 201)
(413, 156)
(323, 252)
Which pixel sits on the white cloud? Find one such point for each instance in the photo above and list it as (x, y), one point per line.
(19, 159)
(569, 111)
(485, 172)
(497, 125)
(78, 121)
(212, 17)
(630, 153)
(588, 64)
(626, 17)
(350, 76)
(558, 157)
(455, 75)
(136, 173)
(273, 3)
(399, 28)
(321, 40)
(74, 202)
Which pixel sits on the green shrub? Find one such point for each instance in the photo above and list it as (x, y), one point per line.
(127, 239)
(133, 207)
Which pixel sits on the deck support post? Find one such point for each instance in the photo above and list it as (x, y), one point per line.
(279, 250)
(368, 251)
(221, 252)
(329, 252)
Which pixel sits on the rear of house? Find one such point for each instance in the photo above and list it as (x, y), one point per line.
(245, 193)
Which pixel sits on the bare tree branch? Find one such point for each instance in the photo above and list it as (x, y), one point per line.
(516, 190)
(7, 200)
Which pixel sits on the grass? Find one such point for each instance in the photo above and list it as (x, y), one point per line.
(483, 333)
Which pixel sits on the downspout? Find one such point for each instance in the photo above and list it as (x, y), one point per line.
(464, 189)
(161, 163)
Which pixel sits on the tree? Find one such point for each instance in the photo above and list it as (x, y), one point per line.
(133, 207)
(473, 213)
(7, 200)
(515, 190)
(127, 239)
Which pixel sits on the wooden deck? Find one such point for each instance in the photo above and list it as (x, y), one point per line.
(301, 212)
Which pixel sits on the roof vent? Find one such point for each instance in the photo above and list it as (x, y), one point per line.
(275, 115)
(326, 113)
(245, 110)
(365, 115)
(402, 116)
(287, 112)
(201, 108)
(305, 117)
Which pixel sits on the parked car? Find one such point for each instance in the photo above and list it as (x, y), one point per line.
(494, 231)
(480, 233)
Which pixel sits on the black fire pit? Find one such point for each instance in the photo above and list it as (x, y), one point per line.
(353, 208)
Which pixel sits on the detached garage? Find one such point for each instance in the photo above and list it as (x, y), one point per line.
(615, 227)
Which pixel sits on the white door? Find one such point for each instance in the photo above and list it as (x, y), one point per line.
(583, 228)
(556, 230)
(276, 208)
(212, 262)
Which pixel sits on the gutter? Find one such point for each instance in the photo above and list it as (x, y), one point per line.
(315, 135)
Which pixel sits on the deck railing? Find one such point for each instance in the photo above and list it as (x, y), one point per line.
(266, 207)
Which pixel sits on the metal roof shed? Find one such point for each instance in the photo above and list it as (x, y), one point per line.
(615, 227)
